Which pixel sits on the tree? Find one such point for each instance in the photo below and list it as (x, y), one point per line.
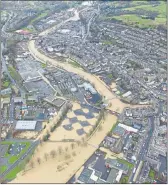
(66, 148)
(46, 156)
(31, 164)
(87, 135)
(74, 153)
(39, 160)
(67, 156)
(53, 153)
(41, 142)
(100, 128)
(60, 150)
(72, 146)
(83, 140)
(78, 143)
(59, 167)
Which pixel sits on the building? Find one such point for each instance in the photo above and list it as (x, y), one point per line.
(4, 101)
(18, 100)
(57, 102)
(115, 163)
(88, 87)
(126, 94)
(26, 125)
(6, 91)
(128, 128)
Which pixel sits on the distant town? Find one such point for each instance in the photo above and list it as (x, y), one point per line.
(83, 92)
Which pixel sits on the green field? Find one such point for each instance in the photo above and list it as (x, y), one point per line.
(137, 20)
(11, 159)
(161, 9)
(15, 75)
(152, 174)
(39, 17)
(124, 180)
(130, 165)
(12, 174)
(74, 63)
(5, 84)
(3, 168)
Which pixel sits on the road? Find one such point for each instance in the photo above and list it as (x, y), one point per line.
(34, 144)
(144, 147)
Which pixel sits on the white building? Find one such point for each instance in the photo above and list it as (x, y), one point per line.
(25, 125)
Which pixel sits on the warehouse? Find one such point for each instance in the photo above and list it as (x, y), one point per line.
(26, 125)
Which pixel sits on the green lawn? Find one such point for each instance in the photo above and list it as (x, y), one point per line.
(15, 75)
(74, 63)
(43, 65)
(110, 76)
(138, 21)
(12, 174)
(114, 126)
(152, 174)
(124, 180)
(161, 8)
(39, 17)
(6, 84)
(130, 165)
(135, 20)
(12, 159)
(2, 168)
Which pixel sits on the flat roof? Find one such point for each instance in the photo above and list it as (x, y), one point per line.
(26, 125)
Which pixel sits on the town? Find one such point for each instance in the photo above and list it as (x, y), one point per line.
(83, 92)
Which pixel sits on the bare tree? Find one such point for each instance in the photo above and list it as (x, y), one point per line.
(83, 140)
(46, 156)
(41, 142)
(74, 153)
(87, 135)
(53, 153)
(66, 149)
(31, 164)
(60, 150)
(59, 167)
(39, 160)
(78, 143)
(67, 156)
(100, 128)
(72, 146)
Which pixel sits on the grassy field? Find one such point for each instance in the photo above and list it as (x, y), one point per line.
(110, 76)
(12, 174)
(15, 75)
(152, 174)
(124, 180)
(74, 63)
(39, 17)
(5, 84)
(3, 168)
(161, 8)
(138, 21)
(11, 159)
(130, 165)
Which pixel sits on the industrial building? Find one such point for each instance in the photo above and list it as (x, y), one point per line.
(26, 125)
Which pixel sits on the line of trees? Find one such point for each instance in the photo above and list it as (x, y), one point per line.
(64, 111)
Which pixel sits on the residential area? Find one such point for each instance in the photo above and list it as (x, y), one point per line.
(83, 92)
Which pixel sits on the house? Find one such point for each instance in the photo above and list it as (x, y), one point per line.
(116, 164)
